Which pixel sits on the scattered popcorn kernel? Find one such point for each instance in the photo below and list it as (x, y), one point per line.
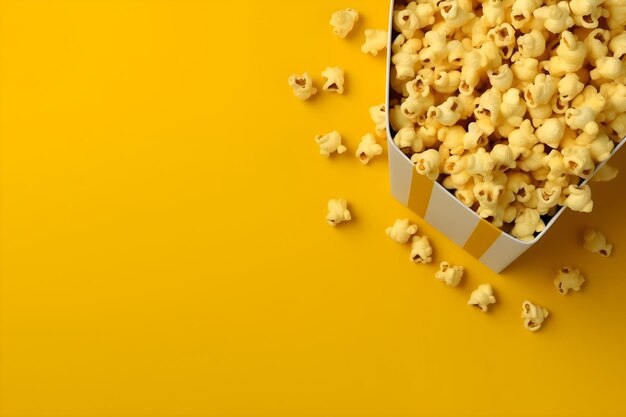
(595, 242)
(343, 21)
(568, 278)
(379, 117)
(368, 148)
(337, 212)
(329, 143)
(482, 297)
(421, 251)
(334, 79)
(401, 231)
(375, 41)
(533, 315)
(449, 274)
(302, 86)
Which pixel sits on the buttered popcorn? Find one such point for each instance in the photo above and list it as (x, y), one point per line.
(450, 274)
(343, 21)
(338, 212)
(401, 231)
(302, 85)
(368, 148)
(595, 242)
(330, 143)
(334, 79)
(510, 104)
(533, 315)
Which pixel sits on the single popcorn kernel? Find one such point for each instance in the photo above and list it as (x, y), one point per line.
(533, 315)
(449, 274)
(481, 297)
(421, 251)
(568, 278)
(334, 79)
(330, 143)
(427, 163)
(375, 41)
(338, 212)
(343, 21)
(595, 242)
(401, 231)
(302, 86)
(368, 148)
(379, 117)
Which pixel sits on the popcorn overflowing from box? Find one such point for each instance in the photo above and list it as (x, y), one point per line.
(500, 113)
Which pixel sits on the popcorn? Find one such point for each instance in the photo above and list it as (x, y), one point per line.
(401, 231)
(551, 132)
(548, 197)
(434, 49)
(427, 163)
(577, 160)
(595, 242)
(421, 251)
(579, 198)
(522, 13)
(379, 117)
(334, 79)
(454, 15)
(302, 86)
(527, 223)
(501, 78)
(503, 157)
(482, 297)
(533, 315)
(532, 45)
(493, 12)
(368, 148)
(542, 89)
(486, 193)
(570, 55)
(337, 212)
(405, 56)
(617, 45)
(569, 87)
(513, 107)
(413, 17)
(447, 82)
(567, 279)
(556, 18)
(408, 138)
(449, 274)
(608, 68)
(478, 163)
(597, 44)
(447, 113)
(329, 143)
(343, 21)
(375, 41)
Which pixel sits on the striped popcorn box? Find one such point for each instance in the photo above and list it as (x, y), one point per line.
(439, 207)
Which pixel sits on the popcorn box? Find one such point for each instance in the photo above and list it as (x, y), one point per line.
(430, 200)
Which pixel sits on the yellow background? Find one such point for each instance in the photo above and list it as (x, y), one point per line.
(164, 249)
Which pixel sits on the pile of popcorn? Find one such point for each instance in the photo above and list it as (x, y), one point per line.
(491, 101)
(510, 104)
